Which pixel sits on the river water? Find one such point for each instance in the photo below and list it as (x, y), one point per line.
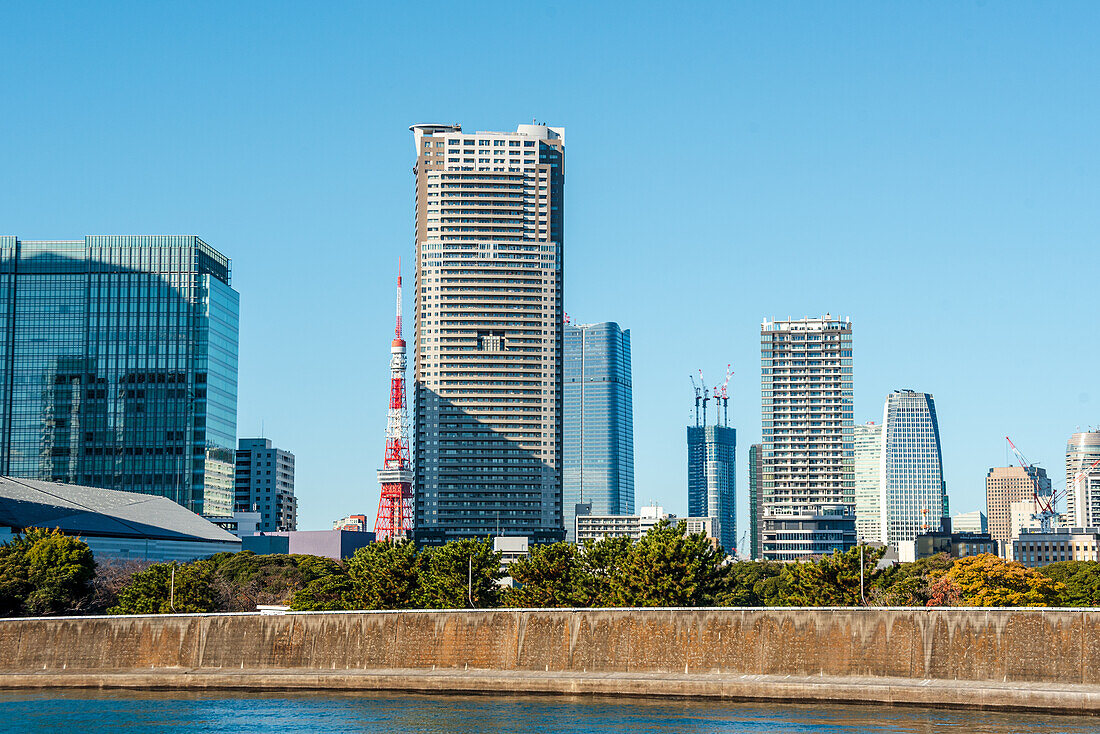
(100, 712)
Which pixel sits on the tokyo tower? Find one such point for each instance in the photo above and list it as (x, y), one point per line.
(395, 505)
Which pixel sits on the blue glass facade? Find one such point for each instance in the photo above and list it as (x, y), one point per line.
(598, 422)
(119, 365)
(712, 479)
(913, 496)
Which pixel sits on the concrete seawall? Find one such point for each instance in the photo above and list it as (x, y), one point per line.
(1046, 659)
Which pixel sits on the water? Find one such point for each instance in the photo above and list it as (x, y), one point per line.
(130, 713)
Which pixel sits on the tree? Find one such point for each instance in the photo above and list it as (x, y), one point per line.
(243, 580)
(750, 584)
(912, 584)
(153, 590)
(988, 581)
(668, 567)
(601, 561)
(452, 575)
(44, 572)
(552, 575)
(384, 575)
(833, 580)
(327, 594)
(1081, 579)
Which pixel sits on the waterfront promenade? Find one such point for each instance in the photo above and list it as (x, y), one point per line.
(1036, 659)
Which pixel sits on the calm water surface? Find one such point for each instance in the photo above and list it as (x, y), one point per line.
(93, 713)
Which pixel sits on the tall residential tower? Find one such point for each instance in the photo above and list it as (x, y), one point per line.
(488, 313)
(806, 422)
(598, 421)
(118, 366)
(1083, 480)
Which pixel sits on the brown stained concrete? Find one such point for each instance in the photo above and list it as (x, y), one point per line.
(1047, 659)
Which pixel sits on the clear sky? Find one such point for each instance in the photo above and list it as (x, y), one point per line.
(928, 169)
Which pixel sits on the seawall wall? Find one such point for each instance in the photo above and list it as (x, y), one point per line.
(998, 658)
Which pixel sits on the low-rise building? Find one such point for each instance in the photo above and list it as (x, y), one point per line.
(334, 544)
(597, 527)
(969, 522)
(800, 533)
(353, 522)
(956, 545)
(1034, 548)
(114, 524)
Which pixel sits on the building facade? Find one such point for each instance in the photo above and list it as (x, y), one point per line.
(913, 496)
(1005, 485)
(265, 484)
(488, 353)
(867, 446)
(119, 364)
(756, 504)
(712, 479)
(1034, 548)
(806, 422)
(597, 421)
(792, 534)
(1083, 479)
(955, 545)
(596, 527)
(969, 522)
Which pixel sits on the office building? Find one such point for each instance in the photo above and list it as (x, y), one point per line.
(488, 354)
(1005, 485)
(817, 530)
(712, 467)
(358, 523)
(1034, 548)
(969, 522)
(118, 525)
(335, 544)
(265, 484)
(1083, 479)
(952, 544)
(806, 422)
(119, 365)
(597, 421)
(913, 497)
(597, 527)
(867, 446)
(756, 504)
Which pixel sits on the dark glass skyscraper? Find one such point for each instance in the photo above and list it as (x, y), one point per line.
(118, 365)
(712, 464)
(598, 421)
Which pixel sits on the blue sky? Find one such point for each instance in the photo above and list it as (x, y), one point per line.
(928, 169)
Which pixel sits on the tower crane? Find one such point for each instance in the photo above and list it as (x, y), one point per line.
(1045, 504)
(722, 398)
(706, 396)
(698, 397)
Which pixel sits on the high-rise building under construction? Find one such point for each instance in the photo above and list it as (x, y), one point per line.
(712, 464)
(808, 486)
(488, 352)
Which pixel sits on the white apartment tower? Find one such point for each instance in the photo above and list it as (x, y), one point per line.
(807, 444)
(487, 367)
(1083, 480)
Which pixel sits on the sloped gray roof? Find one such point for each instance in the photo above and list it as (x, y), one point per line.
(89, 511)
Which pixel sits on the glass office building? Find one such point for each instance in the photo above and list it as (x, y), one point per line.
(712, 480)
(119, 360)
(913, 496)
(598, 422)
(867, 445)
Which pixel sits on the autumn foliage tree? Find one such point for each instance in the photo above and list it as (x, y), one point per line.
(988, 581)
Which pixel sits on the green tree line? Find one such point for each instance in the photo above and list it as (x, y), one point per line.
(44, 572)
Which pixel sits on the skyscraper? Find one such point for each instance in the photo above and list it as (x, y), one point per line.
(867, 442)
(598, 421)
(1083, 480)
(756, 501)
(487, 367)
(806, 422)
(265, 484)
(119, 365)
(912, 495)
(712, 475)
(1005, 485)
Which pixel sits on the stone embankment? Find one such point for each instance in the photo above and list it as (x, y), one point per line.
(1042, 659)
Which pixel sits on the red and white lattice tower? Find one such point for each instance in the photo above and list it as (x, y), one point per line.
(395, 505)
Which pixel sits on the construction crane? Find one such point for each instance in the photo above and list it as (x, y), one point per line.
(698, 398)
(706, 396)
(722, 398)
(1079, 506)
(1045, 504)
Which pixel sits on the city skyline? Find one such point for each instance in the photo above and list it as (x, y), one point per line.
(888, 175)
